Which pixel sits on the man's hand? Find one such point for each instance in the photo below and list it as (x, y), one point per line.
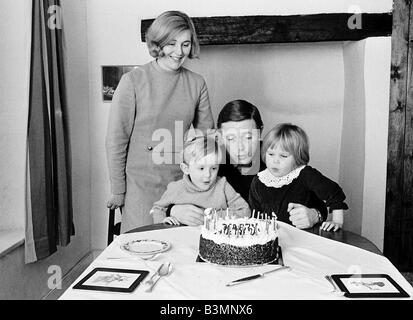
(301, 216)
(188, 214)
(116, 201)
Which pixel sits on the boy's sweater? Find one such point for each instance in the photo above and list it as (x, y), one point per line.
(221, 195)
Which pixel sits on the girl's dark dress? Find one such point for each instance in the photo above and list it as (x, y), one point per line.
(310, 189)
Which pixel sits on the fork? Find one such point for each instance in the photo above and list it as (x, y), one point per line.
(150, 280)
(164, 270)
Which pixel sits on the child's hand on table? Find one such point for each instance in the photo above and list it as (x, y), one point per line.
(188, 214)
(331, 226)
(336, 223)
(171, 221)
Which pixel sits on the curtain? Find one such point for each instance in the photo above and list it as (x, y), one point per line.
(49, 213)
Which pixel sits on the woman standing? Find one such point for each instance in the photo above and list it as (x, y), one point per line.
(160, 95)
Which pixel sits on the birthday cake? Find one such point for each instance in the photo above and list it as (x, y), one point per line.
(236, 241)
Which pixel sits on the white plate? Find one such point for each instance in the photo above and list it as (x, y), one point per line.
(145, 246)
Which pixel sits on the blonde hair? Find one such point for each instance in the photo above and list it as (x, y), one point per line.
(165, 27)
(201, 146)
(291, 139)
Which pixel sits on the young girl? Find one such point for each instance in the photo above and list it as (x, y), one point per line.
(200, 185)
(289, 181)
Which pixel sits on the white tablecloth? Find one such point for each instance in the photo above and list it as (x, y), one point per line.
(311, 257)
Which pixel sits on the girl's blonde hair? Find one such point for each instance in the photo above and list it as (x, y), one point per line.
(167, 26)
(291, 139)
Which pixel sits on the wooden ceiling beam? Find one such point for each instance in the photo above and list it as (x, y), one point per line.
(288, 29)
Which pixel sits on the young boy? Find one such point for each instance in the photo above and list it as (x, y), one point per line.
(200, 185)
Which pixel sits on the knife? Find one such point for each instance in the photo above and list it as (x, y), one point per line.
(256, 276)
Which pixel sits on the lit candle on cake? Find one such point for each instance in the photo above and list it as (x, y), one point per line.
(273, 218)
(206, 214)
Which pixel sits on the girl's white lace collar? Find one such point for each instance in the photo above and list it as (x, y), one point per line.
(269, 180)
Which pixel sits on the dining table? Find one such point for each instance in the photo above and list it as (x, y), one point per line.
(311, 255)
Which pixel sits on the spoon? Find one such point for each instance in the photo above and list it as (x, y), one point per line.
(164, 270)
